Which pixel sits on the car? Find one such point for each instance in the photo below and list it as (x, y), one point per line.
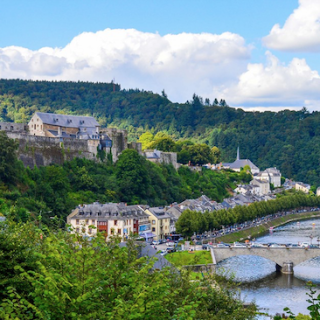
(275, 245)
(304, 245)
(163, 252)
(223, 245)
(292, 245)
(239, 245)
(256, 245)
(170, 249)
(205, 247)
(170, 243)
(198, 243)
(155, 242)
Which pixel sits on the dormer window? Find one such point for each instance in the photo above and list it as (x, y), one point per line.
(69, 120)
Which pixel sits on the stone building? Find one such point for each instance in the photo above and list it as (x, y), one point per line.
(158, 156)
(65, 126)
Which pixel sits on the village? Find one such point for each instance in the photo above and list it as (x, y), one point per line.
(151, 223)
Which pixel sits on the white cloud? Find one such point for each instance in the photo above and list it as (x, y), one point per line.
(181, 64)
(275, 84)
(301, 31)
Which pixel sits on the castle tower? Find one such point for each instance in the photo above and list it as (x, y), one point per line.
(238, 154)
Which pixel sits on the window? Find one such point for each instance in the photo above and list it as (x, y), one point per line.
(115, 222)
(153, 229)
(93, 221)
(119, 231)
(87, 221)
(77, 230)
(153, 221)
(90, 231)
(77, 221)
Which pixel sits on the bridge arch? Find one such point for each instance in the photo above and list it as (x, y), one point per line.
(280, 256)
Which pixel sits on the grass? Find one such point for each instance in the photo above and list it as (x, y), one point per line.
(184, 258)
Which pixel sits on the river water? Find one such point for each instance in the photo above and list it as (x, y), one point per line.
(270, 290)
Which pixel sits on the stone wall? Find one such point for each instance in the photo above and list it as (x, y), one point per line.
(43, 151)
(13, 127)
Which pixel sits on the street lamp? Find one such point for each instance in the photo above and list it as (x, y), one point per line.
(311, 237)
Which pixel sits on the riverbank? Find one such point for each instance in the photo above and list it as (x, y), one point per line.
(257, 231)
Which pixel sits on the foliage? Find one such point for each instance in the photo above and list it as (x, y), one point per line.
(260, 135)
(56, 190)
(74, 278)
(192, 221)
(9, 165)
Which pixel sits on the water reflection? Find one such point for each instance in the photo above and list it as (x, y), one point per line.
(272, 291)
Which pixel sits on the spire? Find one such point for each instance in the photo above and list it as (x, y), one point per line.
(238, 154)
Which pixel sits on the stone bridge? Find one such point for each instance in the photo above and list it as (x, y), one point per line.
(284, 258)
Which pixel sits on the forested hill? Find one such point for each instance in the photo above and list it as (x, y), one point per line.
(288, 140)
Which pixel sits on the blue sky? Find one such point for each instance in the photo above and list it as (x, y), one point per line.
(227, 49)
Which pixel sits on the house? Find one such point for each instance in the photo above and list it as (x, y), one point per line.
(240, 164)
(110, 218)
(65, 126)
(272, 175)
(262, 187)
(160, 222)
(318, 191)
(302, 187)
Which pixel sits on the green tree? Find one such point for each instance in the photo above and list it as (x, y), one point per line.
(216, 154)
(9, 165)
(132, 176)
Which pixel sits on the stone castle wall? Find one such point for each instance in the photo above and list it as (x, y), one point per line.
(43, 151)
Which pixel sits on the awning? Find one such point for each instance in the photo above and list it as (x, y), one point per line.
(147, 235)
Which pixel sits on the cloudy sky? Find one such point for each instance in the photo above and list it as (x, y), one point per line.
(261, 55)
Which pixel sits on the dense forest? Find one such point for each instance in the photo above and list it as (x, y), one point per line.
(56, 190)
(289, 140)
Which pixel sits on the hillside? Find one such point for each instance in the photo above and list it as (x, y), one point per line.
(288, 140)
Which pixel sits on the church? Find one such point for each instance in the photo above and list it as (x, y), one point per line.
(241, 163)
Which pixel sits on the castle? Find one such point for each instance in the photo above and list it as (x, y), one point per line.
(54, 138)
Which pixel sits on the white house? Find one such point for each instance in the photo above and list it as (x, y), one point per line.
(272, 175)
(262, 187)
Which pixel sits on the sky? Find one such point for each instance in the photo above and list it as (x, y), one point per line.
(257, 55)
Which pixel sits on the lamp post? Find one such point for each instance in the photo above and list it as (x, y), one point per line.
(311, 237)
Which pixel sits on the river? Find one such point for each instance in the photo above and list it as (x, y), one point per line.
(270, 290)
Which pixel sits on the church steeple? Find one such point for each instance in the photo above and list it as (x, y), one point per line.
(238, 154)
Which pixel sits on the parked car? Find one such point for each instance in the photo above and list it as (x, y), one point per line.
(170, 249)
(205, 247)
(239, 245)
(163, 252)
(170, 243)
(223, 245)
(256, 245)
(304, 245)
(292, 245)
(155, 242)
(275, 245)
